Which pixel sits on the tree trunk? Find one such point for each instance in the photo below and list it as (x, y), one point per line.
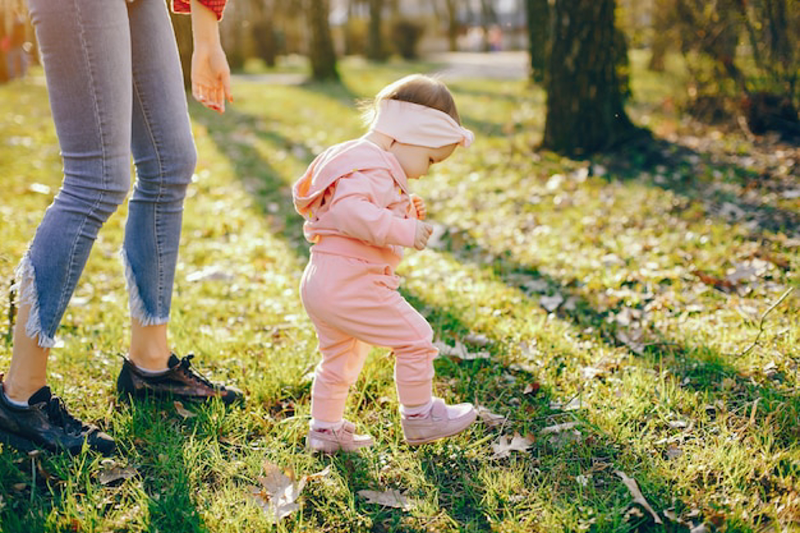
(348, 37)
(663, 36)
(452, 25)
(584, 105)
(3, 59)
(263, 31)
(375, 48)
(182, 26)
(780, 47)
(394, 5)
(538, 15)
(321, 52)
(488, 19)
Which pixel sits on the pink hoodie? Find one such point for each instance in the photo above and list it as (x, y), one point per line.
(355, 199)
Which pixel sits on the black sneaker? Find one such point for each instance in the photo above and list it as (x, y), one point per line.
(47, 424)
(180, 380)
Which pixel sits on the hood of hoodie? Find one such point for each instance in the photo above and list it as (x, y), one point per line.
(339, 161)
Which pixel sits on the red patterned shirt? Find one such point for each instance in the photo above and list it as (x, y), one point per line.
(185, 6)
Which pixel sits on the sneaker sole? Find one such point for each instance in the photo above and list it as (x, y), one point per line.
(26, 445)
(459, 429)
(149, 394)
(330, 448)
(18, 443)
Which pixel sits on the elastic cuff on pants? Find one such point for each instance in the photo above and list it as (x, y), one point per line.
(327, 409)
(414, 393)
(138, 310)
(25, 288)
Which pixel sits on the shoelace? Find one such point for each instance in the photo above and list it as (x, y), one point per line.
(186, 368)
(58, 414)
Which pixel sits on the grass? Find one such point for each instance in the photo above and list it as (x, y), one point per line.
(647, 356)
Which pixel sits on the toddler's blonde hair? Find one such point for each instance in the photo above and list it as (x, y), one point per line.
(417, 89)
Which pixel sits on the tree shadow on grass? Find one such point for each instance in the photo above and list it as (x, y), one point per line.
(68, 493)
(274, 195)
(155, 440)
(706, 368)
(601, 453)
(698, 176)
(25, 507)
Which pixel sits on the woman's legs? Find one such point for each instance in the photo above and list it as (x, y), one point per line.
(165, 158)
(28, 370)
(86, 50)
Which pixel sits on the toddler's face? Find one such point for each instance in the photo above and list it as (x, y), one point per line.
(417, 160)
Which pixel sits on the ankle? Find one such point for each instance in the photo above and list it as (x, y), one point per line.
(149, 349)
(149, 362)
(20, 392)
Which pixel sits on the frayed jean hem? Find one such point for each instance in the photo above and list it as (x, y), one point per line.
(137, 308)
(25, 289)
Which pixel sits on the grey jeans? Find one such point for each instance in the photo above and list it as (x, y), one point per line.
(115, 88)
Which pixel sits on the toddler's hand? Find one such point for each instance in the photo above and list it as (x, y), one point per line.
(424, 231)
(419, 206)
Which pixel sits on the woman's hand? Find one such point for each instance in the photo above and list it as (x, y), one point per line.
(424, 231)
(419, 206)
(211, 75)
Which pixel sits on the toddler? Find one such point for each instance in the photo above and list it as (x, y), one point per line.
(359, 215)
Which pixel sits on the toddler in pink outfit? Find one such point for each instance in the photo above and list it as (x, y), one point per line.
(360, 214)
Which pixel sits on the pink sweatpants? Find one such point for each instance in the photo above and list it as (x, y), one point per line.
(354, 304)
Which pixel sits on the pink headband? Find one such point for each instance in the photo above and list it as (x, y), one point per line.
(419, 125)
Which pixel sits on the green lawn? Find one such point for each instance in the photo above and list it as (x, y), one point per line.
(657, 265)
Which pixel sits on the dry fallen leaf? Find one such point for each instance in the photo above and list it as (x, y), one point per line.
(590, 372)
(551, 303)
(564, 438)
(182, 410)
(459, 351)
(211, 273)
(489, 418)
(477, 339)
(325, 472)
(558, 428)
(531, 388)
(632, 340)
(574, 404)
(673, 452)
(504, 446)
(389, 498)
(637, 494)
(114, 472)
(536, 285)
(279, 492)
(719, 284)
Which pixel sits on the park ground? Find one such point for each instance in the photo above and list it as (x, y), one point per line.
(628, 324)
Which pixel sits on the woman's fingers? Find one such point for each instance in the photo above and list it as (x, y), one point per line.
(218, 102)
(211, 97)
(226, 88)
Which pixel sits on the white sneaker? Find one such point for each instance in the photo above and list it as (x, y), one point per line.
(441, 421)
(334, 440)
